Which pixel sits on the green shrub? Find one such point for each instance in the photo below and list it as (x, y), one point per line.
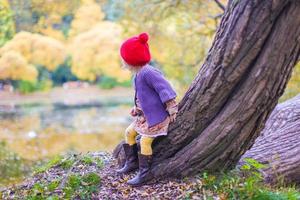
(28, 87)
(63, 73)
(106, 82)
(125, 83)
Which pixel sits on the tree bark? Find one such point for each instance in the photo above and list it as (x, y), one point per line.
(278, 146)
(251, 59)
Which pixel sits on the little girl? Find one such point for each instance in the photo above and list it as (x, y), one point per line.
(155, 107)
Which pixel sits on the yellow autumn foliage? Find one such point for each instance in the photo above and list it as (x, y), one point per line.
(14, 66)
(86, 17)
(51, 13)
(178, 40)
(45, 27)
(59, 7)
(37, 49)
(96, 52)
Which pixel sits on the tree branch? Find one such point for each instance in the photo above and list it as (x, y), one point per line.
(220, 4)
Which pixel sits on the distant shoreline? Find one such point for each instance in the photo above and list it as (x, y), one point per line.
(75, 96)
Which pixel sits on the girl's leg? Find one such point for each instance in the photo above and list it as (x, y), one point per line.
(130, 149)
(146, 145)
(130, 135)
(145, 161)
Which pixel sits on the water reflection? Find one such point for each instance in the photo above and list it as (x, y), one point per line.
(38, 131)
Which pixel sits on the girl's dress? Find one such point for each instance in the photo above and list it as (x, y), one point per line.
(140, 124)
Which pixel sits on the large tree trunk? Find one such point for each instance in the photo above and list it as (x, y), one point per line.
(246, 70)
(278, 146)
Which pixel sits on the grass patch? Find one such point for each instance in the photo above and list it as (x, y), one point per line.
(77, 187)
(87, 159)
(53, 185)
(246, 183)
(51, 163)
(42, 190)
(67, 163)
(80, 183)
(99, 162)
(81, 186)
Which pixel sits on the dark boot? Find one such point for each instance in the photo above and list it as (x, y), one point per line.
(131, 155)
(144, 174)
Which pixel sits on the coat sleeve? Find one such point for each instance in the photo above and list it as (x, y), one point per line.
(157, 81)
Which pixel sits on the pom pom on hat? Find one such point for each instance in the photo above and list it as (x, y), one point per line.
(135, 50)
(143, 37)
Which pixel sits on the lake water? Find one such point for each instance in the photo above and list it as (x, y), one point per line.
(33, 132)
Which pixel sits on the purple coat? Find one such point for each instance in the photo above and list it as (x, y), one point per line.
(153, 90)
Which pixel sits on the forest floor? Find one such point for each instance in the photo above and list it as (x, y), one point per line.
(93, 176)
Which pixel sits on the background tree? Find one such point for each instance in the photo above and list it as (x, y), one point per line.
(13, 66)
(29, 58)
(90, 12)
(23, 18)
(99, 42)
(53, 18)
(37, 49)
(246, 71)
(99, 53)
(7, 28)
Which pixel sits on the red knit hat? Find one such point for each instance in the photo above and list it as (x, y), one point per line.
(135, 50)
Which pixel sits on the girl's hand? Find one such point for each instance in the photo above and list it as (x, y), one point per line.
(173, 117)
(133, 112)
(172, 108)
